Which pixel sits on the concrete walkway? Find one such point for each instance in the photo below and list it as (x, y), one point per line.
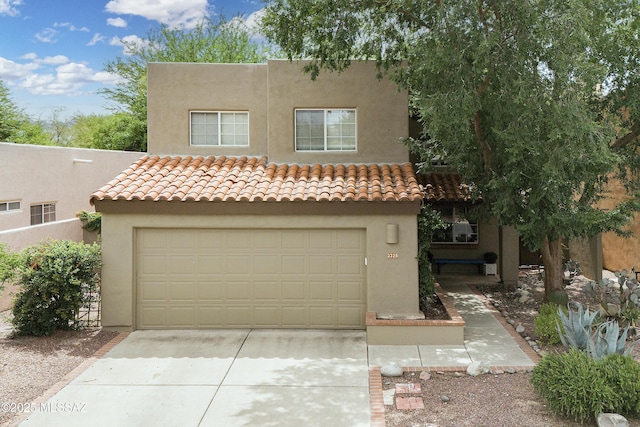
(486, 339)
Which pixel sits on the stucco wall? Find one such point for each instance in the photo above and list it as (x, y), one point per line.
(270, 93)
(618, 252)
(392, 283)
(34, 174)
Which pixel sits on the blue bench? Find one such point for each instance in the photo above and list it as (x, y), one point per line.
(439, 262)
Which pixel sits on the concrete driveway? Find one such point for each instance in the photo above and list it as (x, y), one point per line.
(220, 378)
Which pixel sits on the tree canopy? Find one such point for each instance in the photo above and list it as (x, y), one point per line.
(216, 41)
(536, 103)
(15, 125)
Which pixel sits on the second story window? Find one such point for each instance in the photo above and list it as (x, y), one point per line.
(326, 130)
(211, 128)
(45, 212)
(9, 206)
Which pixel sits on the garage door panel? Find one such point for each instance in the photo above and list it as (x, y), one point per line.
(267, 291)
(349, 291)
(321, 264)
(183, 291)
(212, 278)
(266, 264)
(293, 264)
(211, 291)
(239, 291)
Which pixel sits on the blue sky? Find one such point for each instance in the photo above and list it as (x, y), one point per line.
(53, 52)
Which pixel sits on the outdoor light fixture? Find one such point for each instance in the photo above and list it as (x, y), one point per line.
(392, 234)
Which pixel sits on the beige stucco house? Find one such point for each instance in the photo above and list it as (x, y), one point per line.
(266, 200)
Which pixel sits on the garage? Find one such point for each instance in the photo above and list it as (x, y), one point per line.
(249, 278)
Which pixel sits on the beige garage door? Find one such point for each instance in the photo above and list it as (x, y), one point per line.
(204, 278)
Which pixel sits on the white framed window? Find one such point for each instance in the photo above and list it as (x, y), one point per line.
(213, 128)
(325, 129)
(8, 206)
(41, 213)
(460, 229)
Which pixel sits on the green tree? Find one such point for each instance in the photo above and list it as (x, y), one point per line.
(15, 125)
(216, 41)
(536, 103)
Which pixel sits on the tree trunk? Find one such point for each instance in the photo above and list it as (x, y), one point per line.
(552, 261)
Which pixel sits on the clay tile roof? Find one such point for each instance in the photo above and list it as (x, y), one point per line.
(252, 179)
(445, 187)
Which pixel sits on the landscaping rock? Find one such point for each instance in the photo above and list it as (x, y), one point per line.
(387, 396)
(391, 371)
(425, 375)
(612, 420)
(445, 398)
(477, 368)
(520, 329)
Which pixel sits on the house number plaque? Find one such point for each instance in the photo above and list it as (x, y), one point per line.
(392, 255)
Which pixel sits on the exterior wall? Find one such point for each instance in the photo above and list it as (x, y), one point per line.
(174, 90)
(620, 253)
(392, 283)
(588, 252)
(270, 93)
(19, 238)
(488, 241)
(36, 174)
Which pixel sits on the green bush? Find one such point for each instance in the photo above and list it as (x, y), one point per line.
(572, 385)
(546, 324)
(91, 221)
(8, 264)
(622, 374)
(429, 222)
(55, 278)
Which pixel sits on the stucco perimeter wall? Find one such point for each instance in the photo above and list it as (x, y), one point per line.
(392, 283)
(35, 174)
(620, 253)
(271, 93)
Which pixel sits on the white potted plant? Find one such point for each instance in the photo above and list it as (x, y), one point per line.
(490, 266)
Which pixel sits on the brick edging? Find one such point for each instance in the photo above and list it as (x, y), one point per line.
(524, 346)
(376, 400)
(73, 374)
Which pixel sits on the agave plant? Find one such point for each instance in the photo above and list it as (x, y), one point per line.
(576, 326)
(607, 340)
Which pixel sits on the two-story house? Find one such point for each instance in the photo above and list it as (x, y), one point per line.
(266, 200)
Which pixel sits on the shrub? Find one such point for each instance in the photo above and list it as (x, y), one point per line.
(429, 222)
(8, 264)
(572, 385)
(55, 277)
(546, 324)
(622, 374)
(91, 221)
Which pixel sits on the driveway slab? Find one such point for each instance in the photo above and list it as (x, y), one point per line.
(220, 378)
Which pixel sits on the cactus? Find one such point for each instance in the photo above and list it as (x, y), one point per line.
(576, 326)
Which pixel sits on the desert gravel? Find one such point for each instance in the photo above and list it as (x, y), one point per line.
(29, 366)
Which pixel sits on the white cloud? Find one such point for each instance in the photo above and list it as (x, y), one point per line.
(185, 13)
(70, 26)
(10, 7)
(10, 70)
(48, 35)
(52, 75)
(97, 38)
(127, 42)
(253, 21)
(117, 22)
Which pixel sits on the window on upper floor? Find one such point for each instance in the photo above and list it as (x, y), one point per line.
(460, 229)
(325, 130)
(41, 213)
(8, 206)
(226, 128)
